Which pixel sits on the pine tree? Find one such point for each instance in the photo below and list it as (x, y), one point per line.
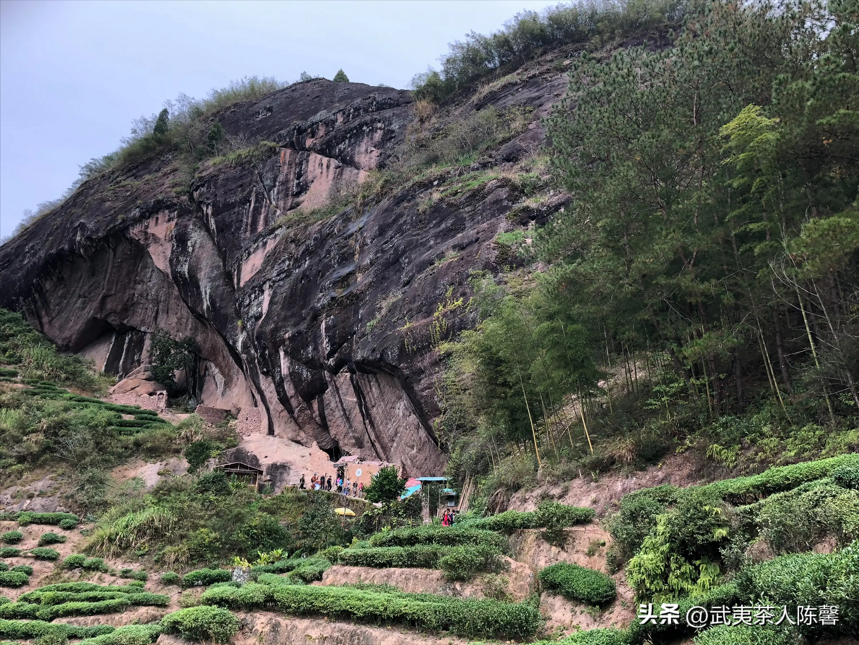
(340, 77)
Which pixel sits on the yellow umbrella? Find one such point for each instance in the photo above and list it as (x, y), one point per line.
(344, 511)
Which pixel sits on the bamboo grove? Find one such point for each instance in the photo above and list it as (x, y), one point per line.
(707, 271)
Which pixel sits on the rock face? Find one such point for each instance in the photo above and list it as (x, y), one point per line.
(325, 332)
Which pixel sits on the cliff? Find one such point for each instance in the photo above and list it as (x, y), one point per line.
(322, 326)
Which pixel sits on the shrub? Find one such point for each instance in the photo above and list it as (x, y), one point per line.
(77, 588)
(847, 476)
(51, 538)
(592, 637)
(549, 515)
(12, 537)
(205, 577)
(340, 77)
(127, 635)
(435, 534)
(36, 628)
(13, 579)
(23, 568)
(4, 566)
(134, 575)
(424, 556)
(202, 623)
(811, 579)
(171, 578)
(74, 561)
(94, 564)
(9, 552)
(68, 524)
(578, 583)
(468, 618)
(748, 635)
(26, 518)
(462, 562)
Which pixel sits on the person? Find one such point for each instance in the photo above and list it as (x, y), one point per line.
(355, 489)
(317, 485)
(339, 484)
(445, 519)
(328, 484)
(346, 488)
(453, 518)
(301, 481)
(361, 489)
(313, 481)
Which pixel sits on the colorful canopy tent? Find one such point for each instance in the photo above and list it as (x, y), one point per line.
(412, 487)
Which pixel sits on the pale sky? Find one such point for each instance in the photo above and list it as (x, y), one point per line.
(73, 75)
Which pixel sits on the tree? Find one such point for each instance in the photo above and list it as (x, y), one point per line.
(162, 124)
(386, 486)
(340, 77)
(215, 138)
(198, 453)
(170, 355)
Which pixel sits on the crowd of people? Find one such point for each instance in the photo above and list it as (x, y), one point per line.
(448, 518)
(333, 483)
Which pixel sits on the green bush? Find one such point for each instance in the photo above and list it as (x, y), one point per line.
(171, 578)
(4, 566)
(9, 552)
(51, 538)
(26, 518)
(462, 562)
(745, 490)
(95, 564)
(310, 571)
(592, 637)
(578, 583)
(435, 534)
(468, 618)
(13, 579)
(635, 518)
(77, 588)
(424, 556)
(36, 628)
(749, 635)
(205, 577)
(41, 553)
(68, 524)
(549, 515)
(810, 579)
(23, 568)
(204, 623)
(127, 635)
(12, 537)
(74, 561)
(134, 575)
(847, 476)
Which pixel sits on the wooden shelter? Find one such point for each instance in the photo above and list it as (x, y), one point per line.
(241, 472)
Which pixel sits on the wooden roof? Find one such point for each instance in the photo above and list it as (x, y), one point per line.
(238, 466)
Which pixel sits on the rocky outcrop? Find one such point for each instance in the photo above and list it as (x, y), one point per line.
(321, 332)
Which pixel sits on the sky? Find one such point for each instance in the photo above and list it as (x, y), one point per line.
(74, 75)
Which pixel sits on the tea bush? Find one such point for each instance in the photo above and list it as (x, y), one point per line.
(25, 518)
(127, 635)
(549, 515)
(51, 538)
(579, 584)
(30, 629)
(205, 577)
(749, 635)
(23, 568)
(13, 579)
(9, 552)
(171, 578)
(468, 618)
(435, 534)
(462, 562)
(204, 623)
(847, 476)
(12, 537)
